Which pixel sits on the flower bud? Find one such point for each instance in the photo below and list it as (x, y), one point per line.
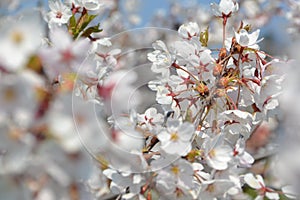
(223, 82)
(222, 53)
(202, 89)
(217, 69)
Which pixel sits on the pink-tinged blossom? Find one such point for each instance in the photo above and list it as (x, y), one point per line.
(118, 92)
(258, 183)
(162, 95)
(64, 54)
(59, 13)
(150, 119)
(107, 59)
(237, 122)
(189, 30)
(243, 158)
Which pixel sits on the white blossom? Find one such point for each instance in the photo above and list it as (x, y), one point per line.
(59, 14)
(225, 7)
(258, 183)
(18, 41)
(177, 138)
(189, 30)
(248, 40)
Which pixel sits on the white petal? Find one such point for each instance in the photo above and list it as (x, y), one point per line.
(290, 192)
(252, 181)
(272, 195)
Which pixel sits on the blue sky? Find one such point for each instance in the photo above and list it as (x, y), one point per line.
(149, 7)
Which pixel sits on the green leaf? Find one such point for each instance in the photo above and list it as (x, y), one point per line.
(84, 21)
(81, 24)
(72, 24)
(90, 30)
(204, 37)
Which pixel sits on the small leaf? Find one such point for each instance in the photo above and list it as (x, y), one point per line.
(72, 24)
(204, 37)
(247, 27)
(84, 21)
(90, 30)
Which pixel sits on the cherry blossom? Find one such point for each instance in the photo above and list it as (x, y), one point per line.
(59, 14)
(175, 180)
(120, 181)
(151, 118)
(64, 55)
(18, 41)
(289, 191)
(248, 40)
(216, 154)
(176, 139)
(161, 58)
(244, 158)
(259, 184)
(91, 5)
(74, 125)
(117, 91)
(189, 30)
(225, 7)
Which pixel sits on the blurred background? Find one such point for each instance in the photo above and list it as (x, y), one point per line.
(278, 20)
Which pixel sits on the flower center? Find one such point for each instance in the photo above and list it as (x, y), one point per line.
(59, 15)
(212, 153)
(17, 37)
(9, 94)
(210, 188)
(175, 170)
(174, 136)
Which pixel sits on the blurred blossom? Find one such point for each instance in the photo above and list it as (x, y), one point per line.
(77, 119)
(61, 120)
(11, 190)
(9, 4)
(117, 91)
(64, 54)
(225, 7)
(20, 38)
(19, 97)
(294, 17)
(289, 167)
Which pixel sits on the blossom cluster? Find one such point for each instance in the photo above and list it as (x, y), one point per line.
(70, 123)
